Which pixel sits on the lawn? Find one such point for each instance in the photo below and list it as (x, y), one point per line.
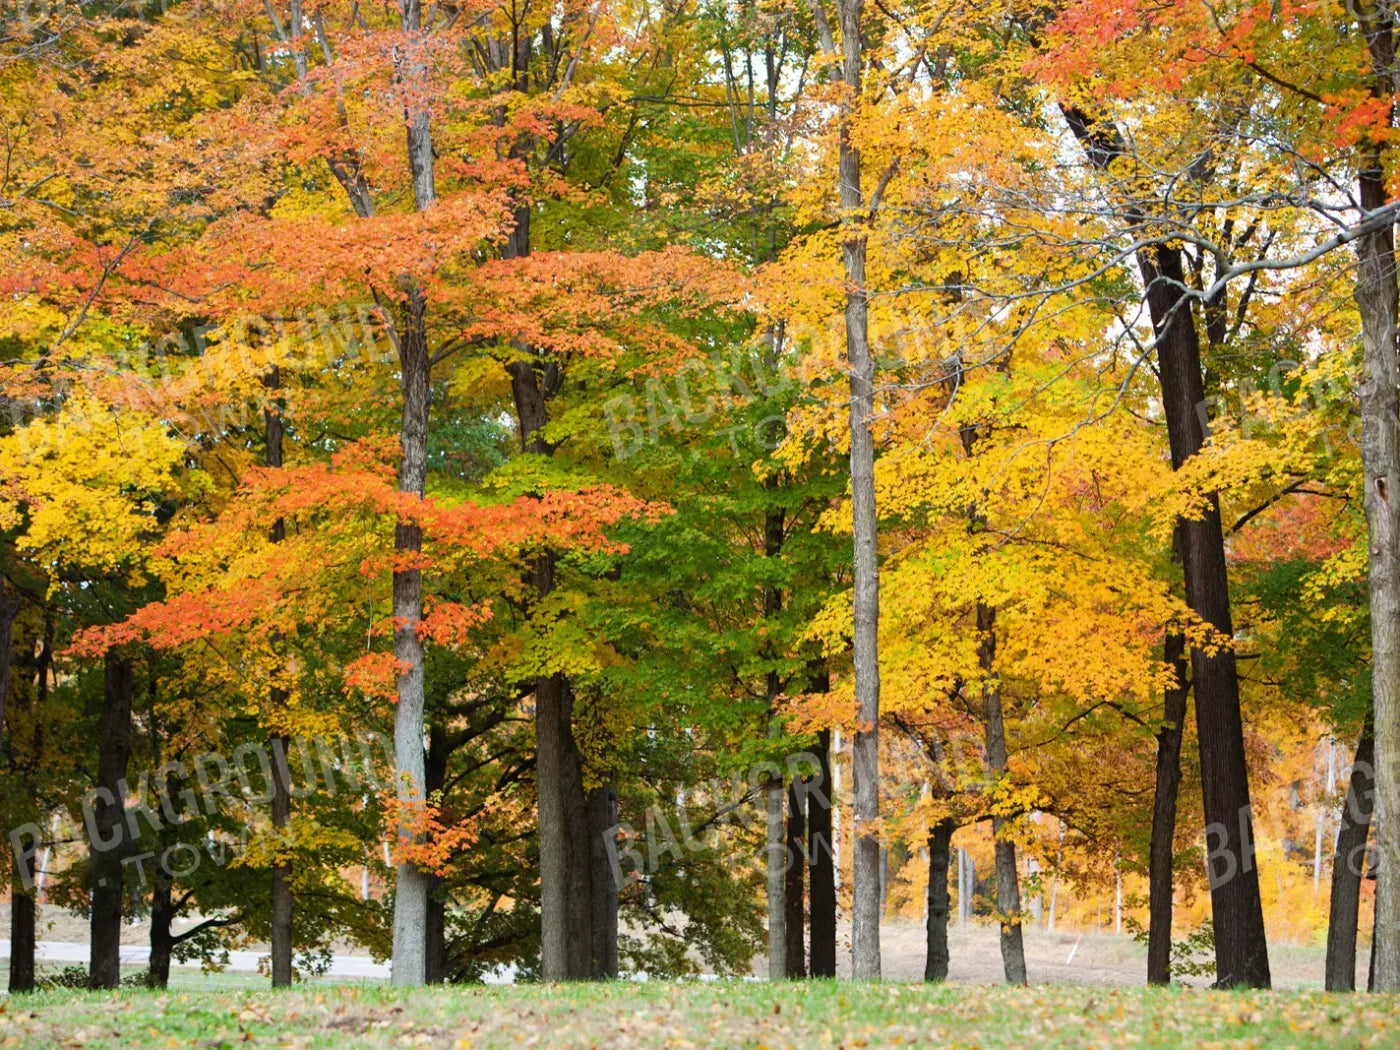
(722, 1014)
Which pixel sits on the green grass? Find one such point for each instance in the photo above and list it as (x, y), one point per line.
(183, 978)
(725, 1014)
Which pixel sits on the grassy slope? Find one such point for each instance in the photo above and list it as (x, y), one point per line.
(800, 1015)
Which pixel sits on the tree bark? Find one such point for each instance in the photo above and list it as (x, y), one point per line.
(415, 364)
(794, 890)
(567, 904)
(778, 861)
(9, 609)
(25, 880)
(108, 844)
(1349, 867)
(940, 839)
(23, 908)
(435, 933)
(553, 829)
(1013, 952)
(821, 864)
(865, 748)
(281, 786)
(411, 886)
(1160, 849)
(1241, 952)
(775, 857)
(23, 900)
(602, 825)
(577, 825)
(282, 904)
(1380, 460)
(162, 941)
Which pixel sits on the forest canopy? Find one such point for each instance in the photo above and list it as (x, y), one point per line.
(593, 487)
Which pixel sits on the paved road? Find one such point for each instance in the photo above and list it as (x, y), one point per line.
(354, 966)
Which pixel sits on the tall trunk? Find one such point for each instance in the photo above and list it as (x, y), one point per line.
(775, 855)
(793, 892)
(23, 907)
(415, 364)
(940, 839)
(1241, 952)
(1349, 867)
(602, 824)
(435, 933)
(580, 903)
(553, 830)
(25, 881)
(282, 868)
(1380, 461)
(964, 912)
(1013, 952)
(1371, 967)
(23, 903)
(567, 904)
(1160, 850)
(108, 845)
(411, 886)
(9, 609)
(865, 748)
(821, 862)
(281, 786)
(162, 940)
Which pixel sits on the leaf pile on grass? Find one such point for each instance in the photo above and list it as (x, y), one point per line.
(802, 1016)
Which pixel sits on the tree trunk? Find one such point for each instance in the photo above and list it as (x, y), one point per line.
(9, 609)
(23, 900)
(865, 748)
(778, 862)
(602, 825)
(964, 908)
(1013, 952)
(1371, 966)
(580, 848)
(940, 839)
(566, 848)
(1380, 460)
(282, 869)
(162, 941)
(821, 863)
(23, 908)
(281, 786)
(435, 933)
(567, 904)
(795, 888)
(1241, 952)
(1349, 867)
(108, 842)
(1160, 850)
(554, 840)
(415, 364)
(775, 856)
(411, 885)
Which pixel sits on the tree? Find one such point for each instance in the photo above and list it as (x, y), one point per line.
(865, 919)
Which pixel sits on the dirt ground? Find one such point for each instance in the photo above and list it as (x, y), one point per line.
(1062, 957)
